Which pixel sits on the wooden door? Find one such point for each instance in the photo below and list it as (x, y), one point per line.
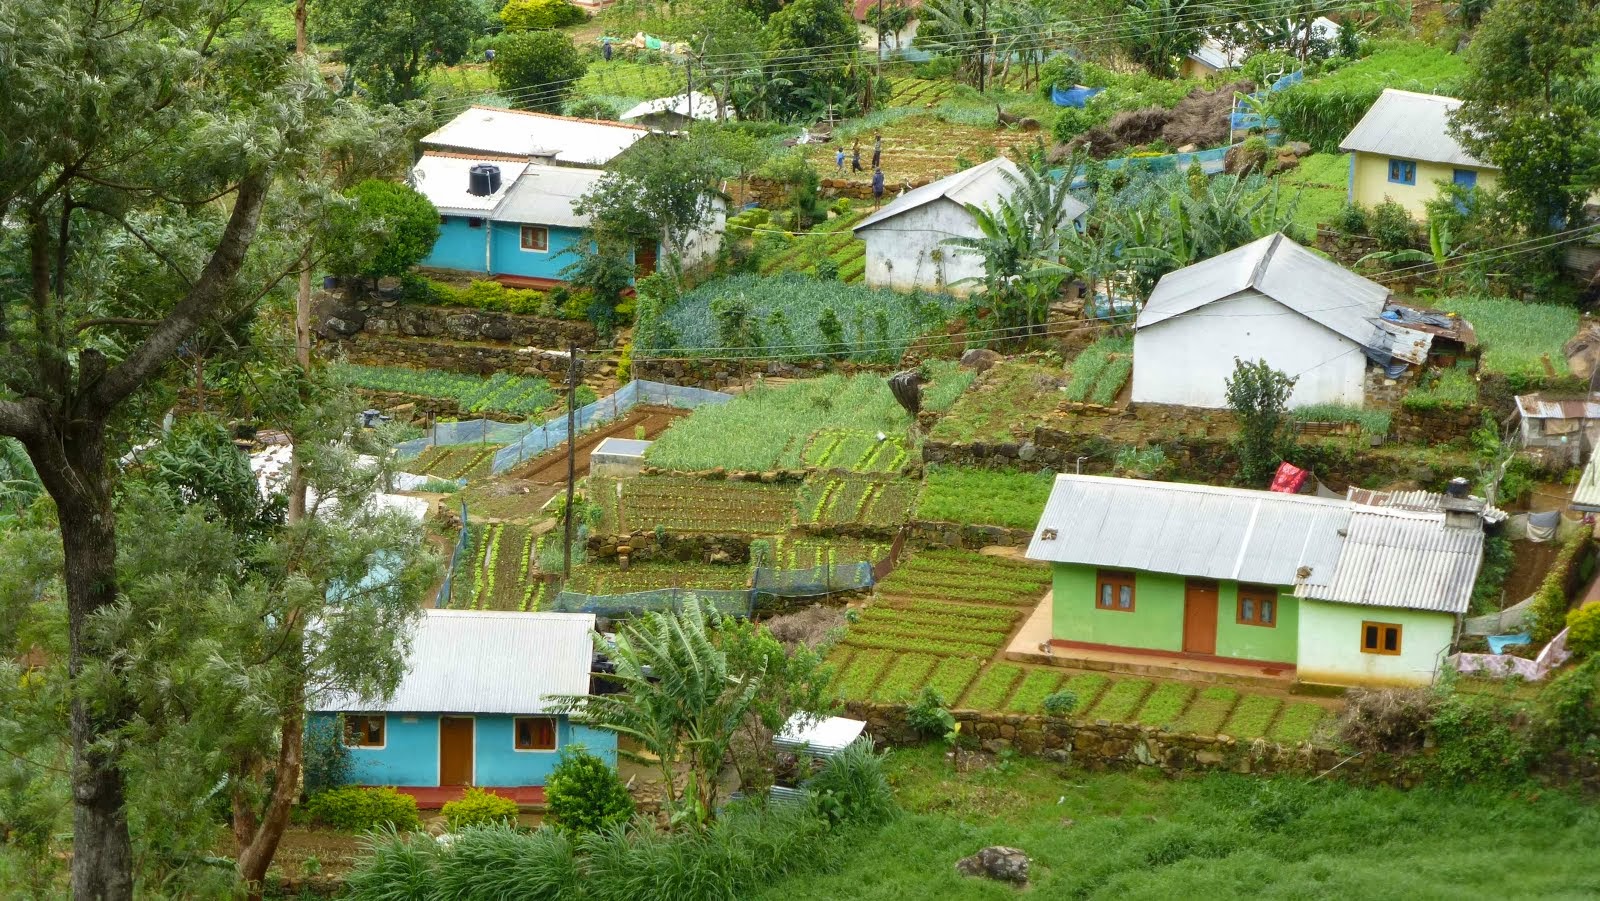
(1200, 617)
(455, 750)
(644, 259)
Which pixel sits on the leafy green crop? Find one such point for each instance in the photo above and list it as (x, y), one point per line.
(993, 687)
(1035, 687)
(984, 496)
(499, 393)
(1517, 336)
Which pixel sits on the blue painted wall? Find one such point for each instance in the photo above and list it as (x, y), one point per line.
(410, 755)
(461, 246)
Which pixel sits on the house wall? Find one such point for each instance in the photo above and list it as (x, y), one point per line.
(1370, 185)
(1330, 645)
(907, 252)
(1156, 622)
(702, 245)
(462, 247)
(1187, 360)
(459, 245)
(410, 755)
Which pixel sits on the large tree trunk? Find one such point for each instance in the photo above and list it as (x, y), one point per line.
(258, 838)
(73, 469)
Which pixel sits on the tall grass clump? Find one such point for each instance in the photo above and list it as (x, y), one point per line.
(1371, 422)
(500, 862)
(852, 787)
(1448, 389)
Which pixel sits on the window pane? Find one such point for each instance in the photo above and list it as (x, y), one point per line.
(1370, 640)
(1105, 595)
(1127, 597)
(1247, 610)
(1391, 639)
(1266, 611)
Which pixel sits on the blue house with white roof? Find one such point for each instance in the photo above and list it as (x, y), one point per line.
(505, 181)
(477, 706)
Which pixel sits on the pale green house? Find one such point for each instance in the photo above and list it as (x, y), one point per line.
(1362, 590)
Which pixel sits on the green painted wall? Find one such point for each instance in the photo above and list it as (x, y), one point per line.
(1156, 622)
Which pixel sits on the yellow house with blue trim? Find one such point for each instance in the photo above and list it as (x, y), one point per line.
(1402, 149)
(1367, 589)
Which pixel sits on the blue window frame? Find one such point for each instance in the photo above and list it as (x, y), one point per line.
(1466, 178)
(1403, 172)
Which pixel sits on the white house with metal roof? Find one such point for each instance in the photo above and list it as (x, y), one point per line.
(1269, 300)
(1326, 589)
(677, 112)
(1402, 148)
(536, 137)
(905, 239)
(478, 704)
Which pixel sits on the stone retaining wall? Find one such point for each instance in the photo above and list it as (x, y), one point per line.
(970, 537)
(338, 316)
(475, 359)
(1434, 426)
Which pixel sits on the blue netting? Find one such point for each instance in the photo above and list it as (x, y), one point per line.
(812, 581)
(1244, 120)
(733, 602)
(553, 433)
(455, 560)
(1075, 96)
(472, 431)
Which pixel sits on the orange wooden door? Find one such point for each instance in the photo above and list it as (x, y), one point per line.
(644, 259)
(455, 750)
(1200, 617)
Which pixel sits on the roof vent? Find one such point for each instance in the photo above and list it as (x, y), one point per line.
(483, 180)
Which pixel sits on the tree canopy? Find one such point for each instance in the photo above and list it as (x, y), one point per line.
(390, 45)
(536, 69)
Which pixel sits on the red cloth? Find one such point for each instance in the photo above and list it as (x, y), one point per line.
(1289, 479)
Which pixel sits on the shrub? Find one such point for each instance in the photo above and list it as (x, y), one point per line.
(1351, 220)
(537, 69)
(930, 714)
(395, 867)
(479, 808)
(1259, 396)
(383, 230)
(1388, 721)
(1059, 71)
(1549, 611)
(1393, 227)
(593, 108)
(1583, 630)
(852, 787)
(1476, 740)
(584, 794)
(1061, 703)
(326, 763)
(498, 861)
(539, 15)
(357, 809)
(1070, 123)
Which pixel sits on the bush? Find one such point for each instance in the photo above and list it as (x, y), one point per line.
(852, 787)
(326, 761)
(1386, 721)
(1352, 219)
(930, 714)
(1059, 71)
(498, 861)
(539, 15)
(384, 230)
(357, 809)
(537, 69)
(1393, 227)
(1476, 740)
(592, 108)
(1061, 703)
(479, 808)
(1583, 630)
(1071, 122)
(1549, 611)
(583, 794)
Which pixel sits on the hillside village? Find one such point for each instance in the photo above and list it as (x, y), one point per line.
(465, 449)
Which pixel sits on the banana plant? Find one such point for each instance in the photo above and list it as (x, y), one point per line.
(1441, 249)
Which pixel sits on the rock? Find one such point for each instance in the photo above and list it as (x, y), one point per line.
(1243, 159)
(1188, 148)
(389, 284)
(720, 557)
(1027, 451)
(1583, 351)
(1298, 148)
(980, 359)
(462, 326)
(345, 327)
(996, 862)
(1287, 161)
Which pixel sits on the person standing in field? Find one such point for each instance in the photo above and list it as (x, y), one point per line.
(877, 149)
(838, 159)
(877, 187)
(855, 159)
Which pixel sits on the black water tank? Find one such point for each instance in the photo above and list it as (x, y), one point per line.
(483, 180)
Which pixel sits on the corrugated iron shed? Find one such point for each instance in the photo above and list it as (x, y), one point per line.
(1190, 530)
(576, 142)
(983, 185)
(1398, 558)
(1282, 270)
(470, 661)
(1538, 406)
(1415, 501)
(1411, 126)
(1586, 496)
(822, 737)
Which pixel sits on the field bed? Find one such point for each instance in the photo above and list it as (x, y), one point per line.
(964, 576)
(497, 572)
(693, 505)
(454, 461)
(601, 579)
(854, 450)
(856, 500)
(783, 552)
(1006, 403)
(500, 393)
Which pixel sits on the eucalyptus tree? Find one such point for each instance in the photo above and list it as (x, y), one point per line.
(140, 223)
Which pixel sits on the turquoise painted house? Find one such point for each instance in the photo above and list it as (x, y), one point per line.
(1366, 589)
(476, 706)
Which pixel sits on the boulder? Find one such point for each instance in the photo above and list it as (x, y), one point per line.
(996, 862)
(1583, 351)
(980, 359)
(462, 326)
(1245, 158)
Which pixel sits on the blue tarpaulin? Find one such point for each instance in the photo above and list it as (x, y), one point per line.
(1075, 96)
(1244, 120)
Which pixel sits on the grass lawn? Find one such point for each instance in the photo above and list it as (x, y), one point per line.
(1321, 182)
(1139, 836)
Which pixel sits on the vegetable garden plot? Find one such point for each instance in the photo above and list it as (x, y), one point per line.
(855, 451)
(965, 576)
(987, 497)
(497, 572)
(456, 461)
(856, 501)
(783, 552)
(693, 505)
(1100, 371)
(500, 393)
(1006, 402)
(600, 579)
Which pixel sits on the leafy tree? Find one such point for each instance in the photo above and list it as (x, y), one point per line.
(537, 69)
(146, 151)
(605, 269)
(583, 794)
(791, 681)
(816, 77)
(661, 190)
(390, 45)
(1157, 32)
(384, 230)
(1528, 105)
(539, 15)
(1259, 396)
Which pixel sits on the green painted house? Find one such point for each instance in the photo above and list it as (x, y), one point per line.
(1363, 590)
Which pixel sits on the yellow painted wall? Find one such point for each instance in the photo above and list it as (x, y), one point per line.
(1330, 645)
(1370, 183)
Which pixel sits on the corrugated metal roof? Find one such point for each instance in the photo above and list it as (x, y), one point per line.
(1586, 496)
(1415, 501)
(1282, 270)
(704, 107)
(823, 737)
(982, 185)
(1398, 558)
(466, 661)
(443, 180)
(578, 142)
(1411, 126)
(1201, 531)
(1215, 54)
(1537, 406)
(543, 195)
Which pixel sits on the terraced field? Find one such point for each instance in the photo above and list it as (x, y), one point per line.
(454, 461)
(831, 240)
(694, 505)
(597, 578)
(498, 571)
(855, 450)
(856, 500)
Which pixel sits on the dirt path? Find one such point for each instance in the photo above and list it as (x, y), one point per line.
(550, 467)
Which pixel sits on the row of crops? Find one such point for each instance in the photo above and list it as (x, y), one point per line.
(834, 500)
(832, 241)
(501, 393)
(454, 461)
(498, 571)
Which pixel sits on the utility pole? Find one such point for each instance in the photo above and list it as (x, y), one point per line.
(572, 454)
(983, 47)
(880, 40)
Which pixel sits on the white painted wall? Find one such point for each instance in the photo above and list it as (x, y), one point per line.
(703, 244)
(1186, 360)
(1330, 645)
(906, 252)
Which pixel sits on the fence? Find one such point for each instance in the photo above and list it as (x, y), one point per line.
(811, 581)
(539, 439)
(1243, 119)
(455, 559)
(471, 431)
(1502, 665)
(733, 602)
